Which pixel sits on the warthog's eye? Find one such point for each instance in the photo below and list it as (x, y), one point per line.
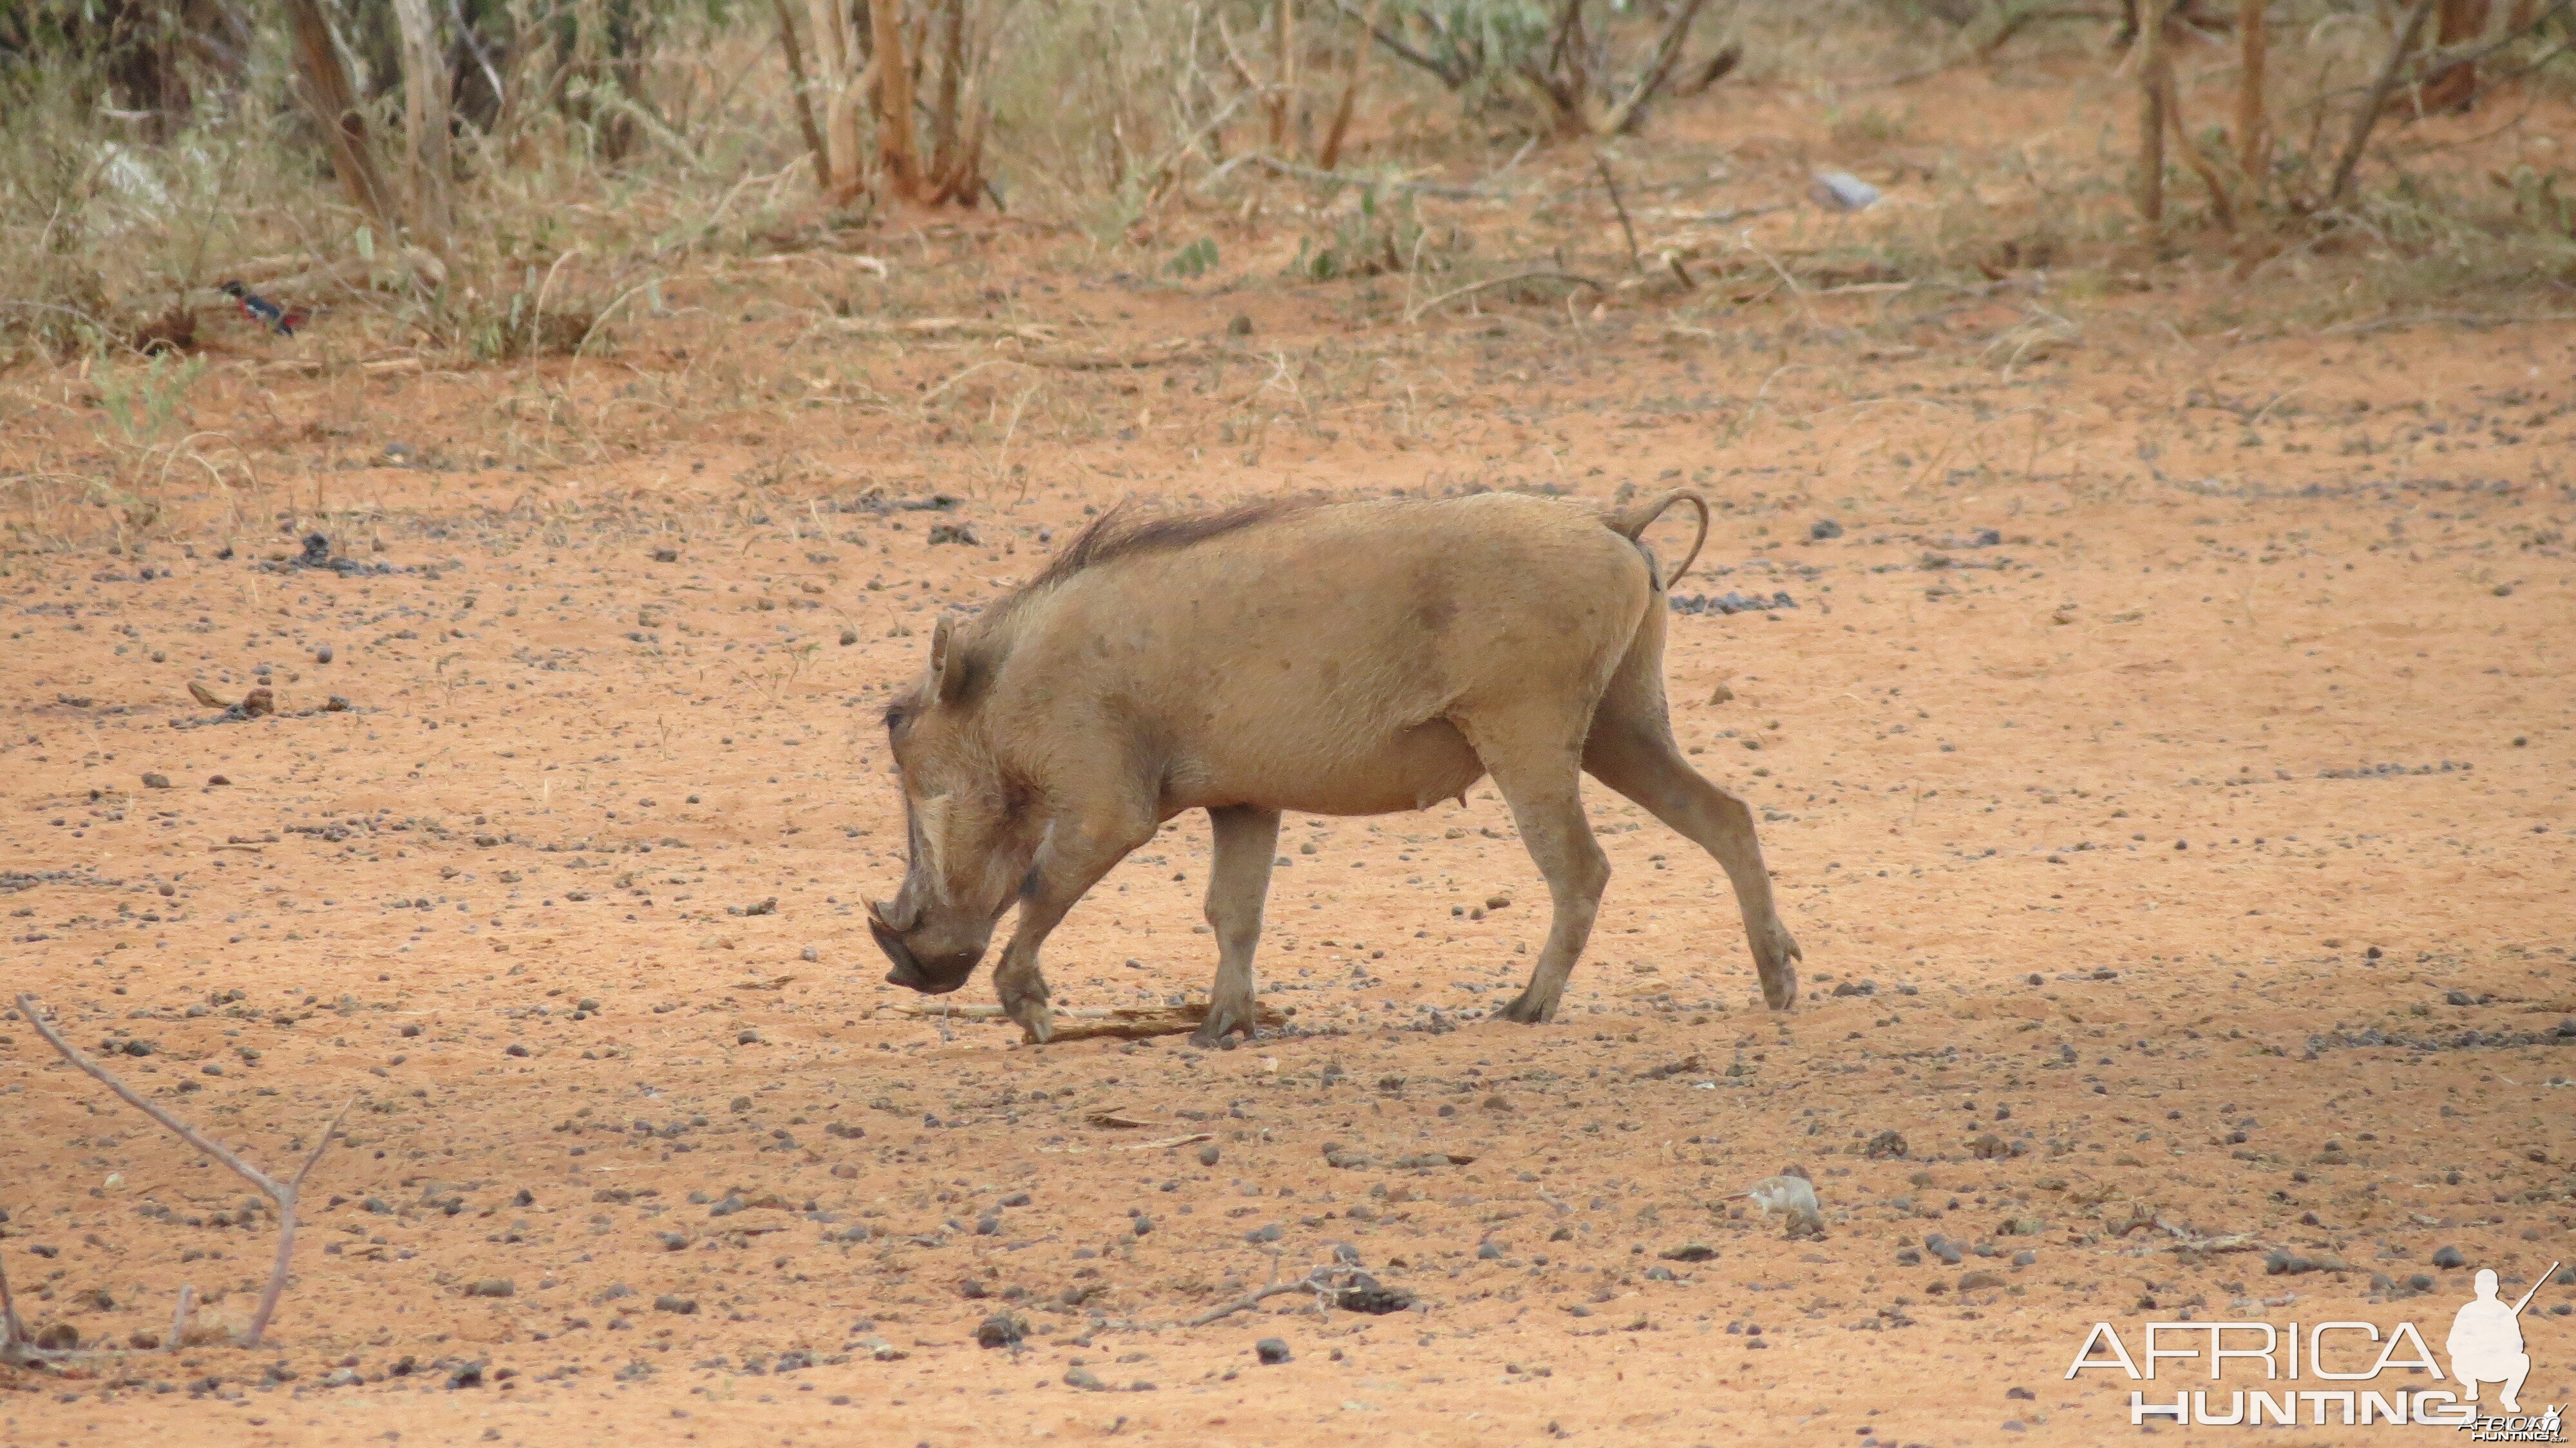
(893, 717)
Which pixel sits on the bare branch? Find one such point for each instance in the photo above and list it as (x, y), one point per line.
(1402, 51)
(324, 1144)
(1659, 67)
(185, 1132)
(1601, 163)
(282, 1193)
(2368, 116)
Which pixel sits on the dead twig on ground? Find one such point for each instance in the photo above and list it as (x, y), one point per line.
(13, 1333)
(282, 1193)
(1543, 275)
(1319, 1281)
(1291, 169)
(1130, 1023)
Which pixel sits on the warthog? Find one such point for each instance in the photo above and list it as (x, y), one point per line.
(1338, 659)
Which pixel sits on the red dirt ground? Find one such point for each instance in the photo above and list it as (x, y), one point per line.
(2167, 771)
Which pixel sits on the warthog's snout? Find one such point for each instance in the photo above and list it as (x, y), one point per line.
(931, 975)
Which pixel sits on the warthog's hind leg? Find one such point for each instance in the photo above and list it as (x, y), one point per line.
(1076, 855)
(1238, 881)
(1636, 757)
(1535, 767)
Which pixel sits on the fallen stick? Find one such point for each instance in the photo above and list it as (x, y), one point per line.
(1131, 1023)
(179, 1318)
(282, 1193)
(1454, 293)
(12, 1331)
(1318, 1280)
(1165, 1144)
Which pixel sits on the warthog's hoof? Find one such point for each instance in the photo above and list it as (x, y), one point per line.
(1772, 960)
(1030, 1009)
(1528, 1010)
(1222, 1021)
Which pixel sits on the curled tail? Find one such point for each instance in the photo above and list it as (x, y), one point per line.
(1634, 522)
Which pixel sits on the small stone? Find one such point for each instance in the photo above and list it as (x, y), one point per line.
(849, 636)
(1208, 1153)
(322, 654)
(673, 1302)
(1272, 1350)
(1824, 528)
(1980, 1280)
(493, 1287)
(2449, 1257)
(1689, 1252)
(1002, 1329)
(156, 781)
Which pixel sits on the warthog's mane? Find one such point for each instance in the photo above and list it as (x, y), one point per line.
(1126, 530)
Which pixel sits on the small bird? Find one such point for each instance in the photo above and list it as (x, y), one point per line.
(263, 311)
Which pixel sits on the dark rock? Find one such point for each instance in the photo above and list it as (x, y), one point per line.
(1885, 1145)
(1688, 1252)
(493, 1287)
(1824, 528)
(1366, 1294)
(1272, 1350)
(673, 1302)
(1002, 1329)
(2449, 1257)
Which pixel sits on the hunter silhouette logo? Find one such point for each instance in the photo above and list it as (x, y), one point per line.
(2486, 1342)
(2485, 1348)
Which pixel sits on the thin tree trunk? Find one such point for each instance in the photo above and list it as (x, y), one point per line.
(2152, 88)
(804, 103)
(1283, 95)
(2372, 104)
(897, 150)
(2221, 204)
(425, 88)
(944, 136)
(2456, 85)
(2253, 144)
(1331, 155)
(334, 103)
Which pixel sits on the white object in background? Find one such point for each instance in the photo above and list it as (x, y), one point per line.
(1842, 191)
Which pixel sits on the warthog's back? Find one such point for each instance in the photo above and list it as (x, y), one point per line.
(1313, 659)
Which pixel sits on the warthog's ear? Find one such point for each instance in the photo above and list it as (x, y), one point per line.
(947, 661)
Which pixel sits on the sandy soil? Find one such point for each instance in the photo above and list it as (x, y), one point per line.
(2166, 764)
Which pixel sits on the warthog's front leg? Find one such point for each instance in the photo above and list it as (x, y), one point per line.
(1075, 856)
(1238, 881)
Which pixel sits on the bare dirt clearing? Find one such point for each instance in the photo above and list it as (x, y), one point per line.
(2163, 748)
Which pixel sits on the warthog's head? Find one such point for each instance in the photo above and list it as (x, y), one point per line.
(971, 838)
